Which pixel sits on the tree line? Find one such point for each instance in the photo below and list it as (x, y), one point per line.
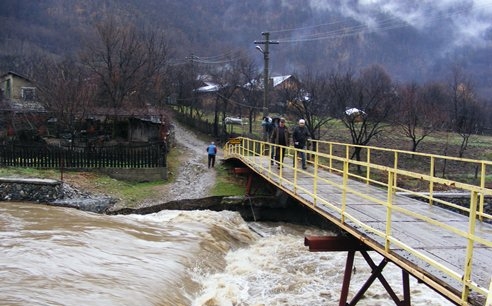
(368, 102)
(123, 66)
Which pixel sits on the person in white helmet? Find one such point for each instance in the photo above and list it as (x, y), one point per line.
(300, 137)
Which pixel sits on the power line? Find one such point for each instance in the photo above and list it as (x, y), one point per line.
(385, 24)
(390, 23)
(224, 58)
(218, 56)
(238, 103)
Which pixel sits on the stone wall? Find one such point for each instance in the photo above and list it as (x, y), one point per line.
(29, 189)
(52, 192)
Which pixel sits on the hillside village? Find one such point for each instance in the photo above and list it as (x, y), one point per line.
(117, 89)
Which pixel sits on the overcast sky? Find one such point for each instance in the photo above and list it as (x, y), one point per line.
(467, 21)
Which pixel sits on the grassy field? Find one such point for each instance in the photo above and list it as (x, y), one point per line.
(440, 143)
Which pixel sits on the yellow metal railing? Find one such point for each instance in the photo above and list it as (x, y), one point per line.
(419, 175)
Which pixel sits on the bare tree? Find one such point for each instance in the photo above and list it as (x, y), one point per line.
(128, 63)
(250, 88)
(311, 101)
(185, 80)
(368, 102)
(420, 111)
(65, 89)
(228, 79)
(285, 95)
(466, 111)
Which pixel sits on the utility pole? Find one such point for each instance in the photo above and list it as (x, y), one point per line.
(193, 97)
(265, 52)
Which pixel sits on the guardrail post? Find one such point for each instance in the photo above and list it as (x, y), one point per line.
(489, 297)
(244, 147)
(344, 188)
(331, 156)
(395, 176)
(315, 178)
(294, 169)
(483, 174)
(389, 209)
(431, 181)
(469, 248)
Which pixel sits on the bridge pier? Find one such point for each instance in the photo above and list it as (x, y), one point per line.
(249, 183)
(352, 245)
(251, 188)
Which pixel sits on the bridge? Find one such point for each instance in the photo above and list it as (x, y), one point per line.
(401, 204)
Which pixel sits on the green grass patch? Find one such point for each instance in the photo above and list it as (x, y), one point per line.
(133, 192)
(173, 160)
(487, 156)
(30, 173)
(130, 192)
(228, 184)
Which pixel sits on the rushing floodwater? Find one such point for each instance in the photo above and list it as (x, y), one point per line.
(57, 256)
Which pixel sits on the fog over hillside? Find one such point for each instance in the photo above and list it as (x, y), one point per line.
(413, 40)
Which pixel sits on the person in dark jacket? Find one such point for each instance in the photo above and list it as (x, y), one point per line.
(268, 125)
(281, 137)
(212, 151)
(300, 136)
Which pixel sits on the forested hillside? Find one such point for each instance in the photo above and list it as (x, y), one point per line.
(313, 35)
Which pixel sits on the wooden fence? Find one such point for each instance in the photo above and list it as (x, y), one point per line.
(151, 155)
(207, 127)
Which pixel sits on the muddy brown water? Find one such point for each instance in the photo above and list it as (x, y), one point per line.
(63, 256)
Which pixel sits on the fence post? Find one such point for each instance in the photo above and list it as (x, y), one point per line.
(62, 164)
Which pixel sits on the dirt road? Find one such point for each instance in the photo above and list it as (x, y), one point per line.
(193, 179)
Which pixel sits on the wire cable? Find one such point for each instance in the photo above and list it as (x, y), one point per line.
(382, 25)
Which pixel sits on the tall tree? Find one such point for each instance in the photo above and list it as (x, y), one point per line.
(250, 88)
(128, 62)
(420, 111)
(184, 82)
(229, 80)
(368, 104)
(310, 101)
(466, 111)
(65, 89)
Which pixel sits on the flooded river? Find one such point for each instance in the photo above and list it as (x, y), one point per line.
(61, 256)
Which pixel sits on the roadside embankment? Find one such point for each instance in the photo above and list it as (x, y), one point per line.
(57, 193)
(51, 192)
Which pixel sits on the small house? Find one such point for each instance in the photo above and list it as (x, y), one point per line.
(16, 87)
(21, 114)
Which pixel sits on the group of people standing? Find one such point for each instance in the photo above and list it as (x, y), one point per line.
(280, 135)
